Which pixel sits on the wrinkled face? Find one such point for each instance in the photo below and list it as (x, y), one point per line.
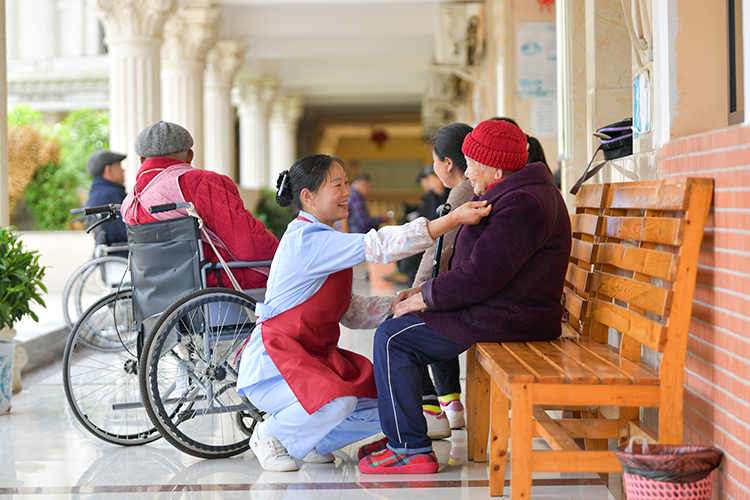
(481, 178)
(328, 203)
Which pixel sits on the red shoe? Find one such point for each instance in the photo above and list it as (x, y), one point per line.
(389, 462)
(371, 448)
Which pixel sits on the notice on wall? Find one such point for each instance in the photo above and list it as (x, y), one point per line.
(544, 117)
(536, 60)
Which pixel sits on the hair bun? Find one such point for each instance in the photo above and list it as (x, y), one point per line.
(283, 189)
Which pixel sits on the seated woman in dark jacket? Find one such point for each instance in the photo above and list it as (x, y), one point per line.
(503, 283)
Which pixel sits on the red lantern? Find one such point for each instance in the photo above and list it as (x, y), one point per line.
(547, 3)
(379, 136)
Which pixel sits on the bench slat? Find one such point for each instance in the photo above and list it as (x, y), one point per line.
(545, 372)
(582, 250)
(663, 230)
(605, 372)
(578, 277)
(639, 373)
(574, 371)
(654, 197)
(555, 437)
(584, 223)
(590, 196)
(640, 328)
(637, 293)
(574, 304)
(497, 360)
(640, 260)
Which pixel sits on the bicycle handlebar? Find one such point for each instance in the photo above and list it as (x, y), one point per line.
(155, 209)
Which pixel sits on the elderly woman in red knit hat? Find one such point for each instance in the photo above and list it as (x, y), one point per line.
(503, 283)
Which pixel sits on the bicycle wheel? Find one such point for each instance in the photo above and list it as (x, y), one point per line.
(101, 383)
(90, 282)
(189, 378)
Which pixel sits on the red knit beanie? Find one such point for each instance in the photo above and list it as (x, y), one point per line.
(498, 144)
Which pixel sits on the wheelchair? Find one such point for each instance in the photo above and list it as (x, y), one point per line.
(100, 276)
(165, 365)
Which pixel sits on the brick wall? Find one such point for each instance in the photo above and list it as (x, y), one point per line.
(717, 376)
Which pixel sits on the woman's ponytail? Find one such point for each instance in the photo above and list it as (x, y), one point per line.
(283, 189)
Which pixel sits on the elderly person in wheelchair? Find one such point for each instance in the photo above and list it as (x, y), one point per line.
(165, 176)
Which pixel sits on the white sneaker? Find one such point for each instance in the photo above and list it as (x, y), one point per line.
(271, 453)
(316, 458)
(455, 412)
(438, 426)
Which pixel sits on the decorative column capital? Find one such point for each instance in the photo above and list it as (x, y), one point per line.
(223, 61)
(133, 18)
(254, 94)
(189, 33)
(287, 110)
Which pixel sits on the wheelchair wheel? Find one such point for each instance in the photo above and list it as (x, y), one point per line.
(189, 378)
(100, 373)
(90, 282)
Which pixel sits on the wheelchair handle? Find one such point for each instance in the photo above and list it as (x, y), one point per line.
(101, 209)
(155, 209)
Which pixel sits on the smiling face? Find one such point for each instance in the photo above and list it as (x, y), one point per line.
(328, 203)
(480, 177)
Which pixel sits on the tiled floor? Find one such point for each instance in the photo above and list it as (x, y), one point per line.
(46, 455)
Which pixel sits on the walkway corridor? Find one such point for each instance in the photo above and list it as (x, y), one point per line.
(46, 455)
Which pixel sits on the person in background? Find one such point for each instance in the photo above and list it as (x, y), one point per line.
(503, 283)
(107, 187)
(441, 401)
(435, 194)
(165, 176)
(359, 219)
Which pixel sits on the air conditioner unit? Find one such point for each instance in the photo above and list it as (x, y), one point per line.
(460, 36)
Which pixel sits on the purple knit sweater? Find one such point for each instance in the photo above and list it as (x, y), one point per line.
(504, 281)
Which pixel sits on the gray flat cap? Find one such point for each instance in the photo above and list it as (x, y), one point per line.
(162, 139)
(98, 161)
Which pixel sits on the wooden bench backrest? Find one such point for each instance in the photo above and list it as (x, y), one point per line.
(585, 224)
(645, 266)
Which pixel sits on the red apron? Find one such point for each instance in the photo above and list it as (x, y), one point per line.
(303, 344)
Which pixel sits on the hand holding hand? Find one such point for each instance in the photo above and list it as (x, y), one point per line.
(413, 303)
(405, 294)
(471, 212)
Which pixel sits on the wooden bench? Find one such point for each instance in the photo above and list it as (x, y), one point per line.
(629, 286)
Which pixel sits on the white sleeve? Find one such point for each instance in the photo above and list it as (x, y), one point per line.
(367, 312)
(391, 243)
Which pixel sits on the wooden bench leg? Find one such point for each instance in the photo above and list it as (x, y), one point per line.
(481, 419)
(521, 427)
(499, 434)
(471, 356)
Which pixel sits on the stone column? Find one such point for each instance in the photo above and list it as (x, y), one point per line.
(222, 63)
(282, 135)
(133, 37)
(4, 187)
(187, 37)
(252, 98)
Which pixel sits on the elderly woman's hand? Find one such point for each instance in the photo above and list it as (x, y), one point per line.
(413, 303)
(471, 212)
(405, 294)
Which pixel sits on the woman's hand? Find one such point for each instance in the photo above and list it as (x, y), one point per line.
(414, 303)
(471, 212)
(405, 294)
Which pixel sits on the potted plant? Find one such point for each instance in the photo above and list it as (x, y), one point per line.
(20, 285)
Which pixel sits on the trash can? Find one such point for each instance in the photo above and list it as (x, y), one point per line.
(668, 471)
(7, 352)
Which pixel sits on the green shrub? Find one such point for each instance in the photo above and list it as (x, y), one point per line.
(269, 212)
(20, 279)
(61, 185)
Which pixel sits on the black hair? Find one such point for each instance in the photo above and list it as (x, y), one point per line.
(309, 172)
(505, 119)
(447, 142)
